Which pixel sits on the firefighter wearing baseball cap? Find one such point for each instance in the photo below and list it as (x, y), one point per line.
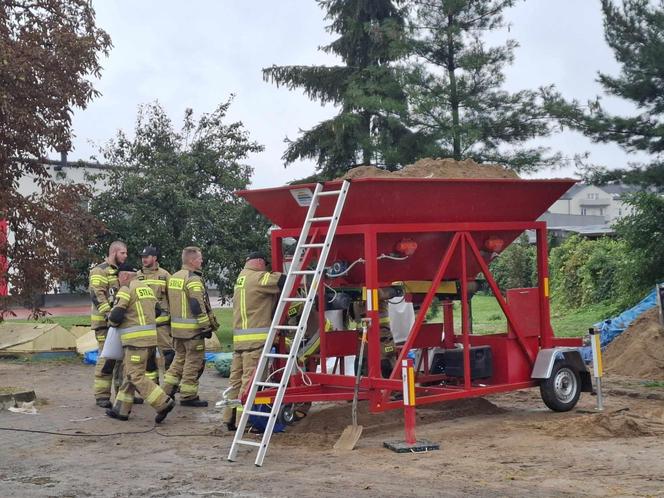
(157, 279)
(103, 286)
(134, 314)
(256, 291)
(192, 321)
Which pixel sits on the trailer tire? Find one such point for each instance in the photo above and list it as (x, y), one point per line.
(287, 414)
(561, 391)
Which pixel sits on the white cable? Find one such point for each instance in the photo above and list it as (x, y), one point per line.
(359, 260)
(390, 256)
(305, 378)
(332, 289)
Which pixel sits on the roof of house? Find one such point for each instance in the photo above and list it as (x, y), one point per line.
(615, 190)
(558, 220)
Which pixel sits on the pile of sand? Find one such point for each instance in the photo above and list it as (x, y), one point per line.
(639, 350)
(435, 168)
(602, 425)
(332, 419)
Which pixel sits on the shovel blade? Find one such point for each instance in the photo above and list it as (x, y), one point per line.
(349, 438)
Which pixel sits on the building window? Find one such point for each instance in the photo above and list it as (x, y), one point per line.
(619, 212)
(593, 196)
(601, 211)
(583, 212)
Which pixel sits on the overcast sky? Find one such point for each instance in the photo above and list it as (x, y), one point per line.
(194, 54)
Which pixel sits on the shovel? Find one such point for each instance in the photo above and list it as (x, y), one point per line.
(351, 434)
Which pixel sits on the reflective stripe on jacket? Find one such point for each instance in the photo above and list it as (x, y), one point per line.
(254, 298)
(186, 288)
(157, 279)
(138, 327)
(102, 287)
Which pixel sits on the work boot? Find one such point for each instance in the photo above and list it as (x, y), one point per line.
(159, 418)
(195, 402)
(138, 401)
(103, 403)
(113, 414)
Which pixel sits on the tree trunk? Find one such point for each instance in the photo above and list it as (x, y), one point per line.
(454, 98)
(366, 149)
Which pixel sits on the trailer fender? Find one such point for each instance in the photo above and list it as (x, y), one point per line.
(547, 357)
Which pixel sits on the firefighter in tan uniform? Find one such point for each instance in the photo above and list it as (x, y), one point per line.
(134, 315)
(192, 321)
(157, 279)
(103, 286)
(255, 294)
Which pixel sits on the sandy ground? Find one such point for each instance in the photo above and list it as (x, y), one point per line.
(505, 445)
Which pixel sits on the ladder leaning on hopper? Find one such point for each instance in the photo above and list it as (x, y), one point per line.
(295, 273)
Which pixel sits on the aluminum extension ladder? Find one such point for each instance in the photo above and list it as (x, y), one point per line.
(295, 271)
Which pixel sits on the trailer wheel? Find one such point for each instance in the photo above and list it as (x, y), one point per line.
(561, 391)
(287, 414)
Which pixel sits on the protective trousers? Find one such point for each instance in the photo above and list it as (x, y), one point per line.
(135, 364)
(166, 351)
(242, 368)
(186, 369)
(105, 369)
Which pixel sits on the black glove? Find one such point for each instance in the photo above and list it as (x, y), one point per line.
(207, 333)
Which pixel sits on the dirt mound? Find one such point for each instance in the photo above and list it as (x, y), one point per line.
(435, 168)
(602, 425)
(639, 350)
(365, 172)
(331, 419)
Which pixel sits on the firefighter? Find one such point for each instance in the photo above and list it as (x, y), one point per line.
(192, 321)
(134, 315)
(255, 294)
(157, 279)
(103, 286)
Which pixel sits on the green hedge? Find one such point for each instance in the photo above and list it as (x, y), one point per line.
(587, 272)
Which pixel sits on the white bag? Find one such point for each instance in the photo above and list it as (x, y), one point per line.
(402, 318)
(112, 346)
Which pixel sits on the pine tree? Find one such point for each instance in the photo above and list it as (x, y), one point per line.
(455, 90)
(634, 32)
(368, 128)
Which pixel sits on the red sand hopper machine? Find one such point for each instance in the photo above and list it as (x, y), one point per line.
(428, 242)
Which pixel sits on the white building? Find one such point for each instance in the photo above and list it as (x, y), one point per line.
(63, 171)
(606, 201)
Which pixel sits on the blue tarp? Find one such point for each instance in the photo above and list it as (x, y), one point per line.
(90, 358)
(613, 327)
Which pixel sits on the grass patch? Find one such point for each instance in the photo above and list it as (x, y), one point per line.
(224, 316)
(657, 384)
(64, 321)
(488, 318)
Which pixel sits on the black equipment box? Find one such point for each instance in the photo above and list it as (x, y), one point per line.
(450, 362)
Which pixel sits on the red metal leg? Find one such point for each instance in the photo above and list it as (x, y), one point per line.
(448, 324)
(465, 316)
(543, 283)
(408, 376)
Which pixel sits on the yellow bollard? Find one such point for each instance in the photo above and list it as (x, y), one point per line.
(597, 365)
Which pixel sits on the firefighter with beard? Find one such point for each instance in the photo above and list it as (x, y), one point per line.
(103, 286)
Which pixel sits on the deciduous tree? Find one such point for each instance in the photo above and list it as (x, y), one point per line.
(49, 49)
(175, 188)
